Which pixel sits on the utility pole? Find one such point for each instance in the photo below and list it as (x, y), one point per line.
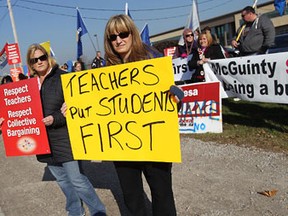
(14, 28)
(97, 44)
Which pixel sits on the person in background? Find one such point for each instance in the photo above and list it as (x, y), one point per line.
(64, 67)
(98, 61)
(6, 79)
(75, 186)
(82, 63)
(123, 44)
(77, 66)
(189, 44)
(207, 50)
(257, 36)
(21, 76)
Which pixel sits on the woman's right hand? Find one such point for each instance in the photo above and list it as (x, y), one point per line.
(1, 121)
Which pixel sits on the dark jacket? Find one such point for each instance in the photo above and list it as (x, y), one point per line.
(257, 37)
(52, 99)
(98, 62)
(212, 52)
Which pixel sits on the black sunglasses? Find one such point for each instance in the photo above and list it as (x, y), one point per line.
(188, 35)
(41, 58)
(122, 35)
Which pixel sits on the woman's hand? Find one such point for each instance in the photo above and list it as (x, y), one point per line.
(1, 121)
(64, 109)
(48, 120)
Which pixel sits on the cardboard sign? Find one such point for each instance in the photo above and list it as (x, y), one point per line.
(23, 131)
(123, 112)
(201, 109)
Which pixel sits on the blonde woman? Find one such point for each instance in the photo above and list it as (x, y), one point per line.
(75, 186)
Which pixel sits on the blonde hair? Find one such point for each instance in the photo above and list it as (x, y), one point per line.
(30, 55)
(208, 36)
(123, 23)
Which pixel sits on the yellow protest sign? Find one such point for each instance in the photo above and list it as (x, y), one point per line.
(123, 112)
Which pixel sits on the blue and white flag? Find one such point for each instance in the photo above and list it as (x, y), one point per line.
(145, 35)
(280, 6)
(81, 30)
(127, 12)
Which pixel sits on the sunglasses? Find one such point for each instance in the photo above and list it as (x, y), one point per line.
(122, 35)
(189, 35)
(41, 58)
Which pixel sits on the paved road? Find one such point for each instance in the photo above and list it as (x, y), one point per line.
(212, 180)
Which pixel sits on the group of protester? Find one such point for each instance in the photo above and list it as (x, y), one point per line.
(122, 44)
(254, 37)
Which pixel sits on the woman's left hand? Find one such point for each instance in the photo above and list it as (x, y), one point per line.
(48, 120)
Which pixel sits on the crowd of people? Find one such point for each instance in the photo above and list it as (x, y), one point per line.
(122, 44)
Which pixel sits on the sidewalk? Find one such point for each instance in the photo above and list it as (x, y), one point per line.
(211, 180)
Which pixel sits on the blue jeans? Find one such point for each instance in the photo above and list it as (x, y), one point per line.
(77, 188)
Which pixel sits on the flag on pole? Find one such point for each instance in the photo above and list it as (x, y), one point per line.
(193, 21)
(81, 30)
(127, 10)
(145, 35)
(280, 6)
(48, 48)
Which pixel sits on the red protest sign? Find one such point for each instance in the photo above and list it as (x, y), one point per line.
(13, 54)
(14, 73)
(23, 130)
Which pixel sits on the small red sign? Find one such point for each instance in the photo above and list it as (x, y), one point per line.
(13, 54)
(23, 131)
(14, 73)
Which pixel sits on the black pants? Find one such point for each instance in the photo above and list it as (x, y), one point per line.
(159, 179)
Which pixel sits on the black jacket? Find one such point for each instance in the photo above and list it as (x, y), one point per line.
(213, 52)
(52, 99)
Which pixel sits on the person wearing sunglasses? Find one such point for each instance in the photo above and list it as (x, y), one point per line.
(189, 46)
(75, 186)
(256, 34)
(123, 44)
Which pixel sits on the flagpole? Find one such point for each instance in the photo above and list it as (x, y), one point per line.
(14, 28)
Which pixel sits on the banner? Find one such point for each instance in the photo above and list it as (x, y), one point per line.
(201, 109)
(123, 112)
(13, 54)
(23, 131)
(181, 69)
(262, 78)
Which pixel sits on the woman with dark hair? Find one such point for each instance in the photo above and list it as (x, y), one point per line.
(6, 79)
(123, 44)
(75, 186)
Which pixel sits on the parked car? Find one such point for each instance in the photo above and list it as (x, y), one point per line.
(281, 44)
